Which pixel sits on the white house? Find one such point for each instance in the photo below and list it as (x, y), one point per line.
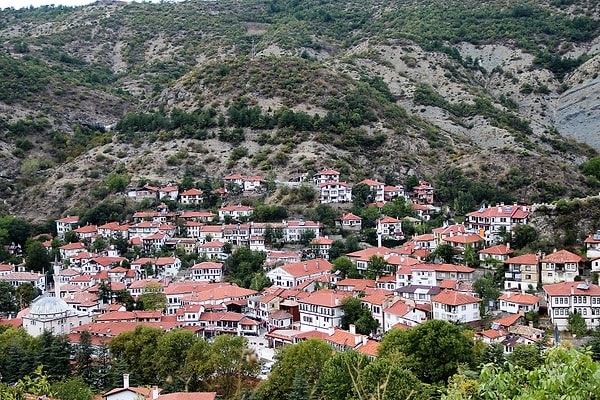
(561, 266)
(401, 313)
(207, 271)
(519, 303)
(290, 275)
(191, 196)
(573, 297)
(450, 305)
(328, 175)
(321, 310)
(335, 192)
(235, 212)
(294, 230)
(351, 222)
(66, 224)
(491, 222)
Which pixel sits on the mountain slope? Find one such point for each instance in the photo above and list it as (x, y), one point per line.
(374, 89)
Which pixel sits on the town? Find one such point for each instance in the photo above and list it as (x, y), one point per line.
(302, 287)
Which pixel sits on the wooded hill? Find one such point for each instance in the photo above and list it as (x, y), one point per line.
(490, 97)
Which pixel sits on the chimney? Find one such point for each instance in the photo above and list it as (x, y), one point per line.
(331, 330)
(572, 290)
(125, 381)
(154, 392)
(352, 329)
(507, 246)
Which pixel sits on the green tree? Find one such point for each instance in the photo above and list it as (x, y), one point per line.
(325, 214)
(37, 256)
(54, 354)
(342, 264)
(26, 293)
(8, 302)
(576, 324)
(493, 354)
(138, 350)
(72, 389)
(307, 236)
(361, 195)
(234, 366)
(464, 203)
(84, 353)
(151, 298)
(434, 349)
(172, 348)
(487, 290)
(260, 281)
(444, 252)
(124, 297)
(526, 356)
(592, 167)
(383, 379)
(376, 267)
(565, 373)
(309, 356)
(198, 366)
(242, 264)
(340, 377)
(358, 315)
(523, 235)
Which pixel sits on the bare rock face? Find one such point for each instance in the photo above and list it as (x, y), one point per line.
(577, 112)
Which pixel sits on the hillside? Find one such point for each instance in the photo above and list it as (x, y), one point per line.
(501, 94)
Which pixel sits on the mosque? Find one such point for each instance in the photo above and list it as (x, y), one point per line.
(53, 314)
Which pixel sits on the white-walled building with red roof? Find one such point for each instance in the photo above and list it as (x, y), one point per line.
(191, 196)
(434, 274)
(423, 193)
(500, 252)
(322, 310)
(214, 250)
(450, 305)
(350, 221)
(66, 224)
(290, 275)
(561, 266)
(328, 175)
(566, 298)
(334, 192)
(401, 312)
(294, 230)
(235, 211)
(491, 222)
(321, 246)
(207, 271)
(519, 303)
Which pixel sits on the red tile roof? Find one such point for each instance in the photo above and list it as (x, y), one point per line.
(568, 288)
(520, 298)
(525, 259)
(563, 256)
(453, 298)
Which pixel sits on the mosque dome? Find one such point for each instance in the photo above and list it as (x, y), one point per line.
(49, 306)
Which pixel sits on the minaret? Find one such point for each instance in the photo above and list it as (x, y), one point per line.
(379, 232)
(56, 277)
